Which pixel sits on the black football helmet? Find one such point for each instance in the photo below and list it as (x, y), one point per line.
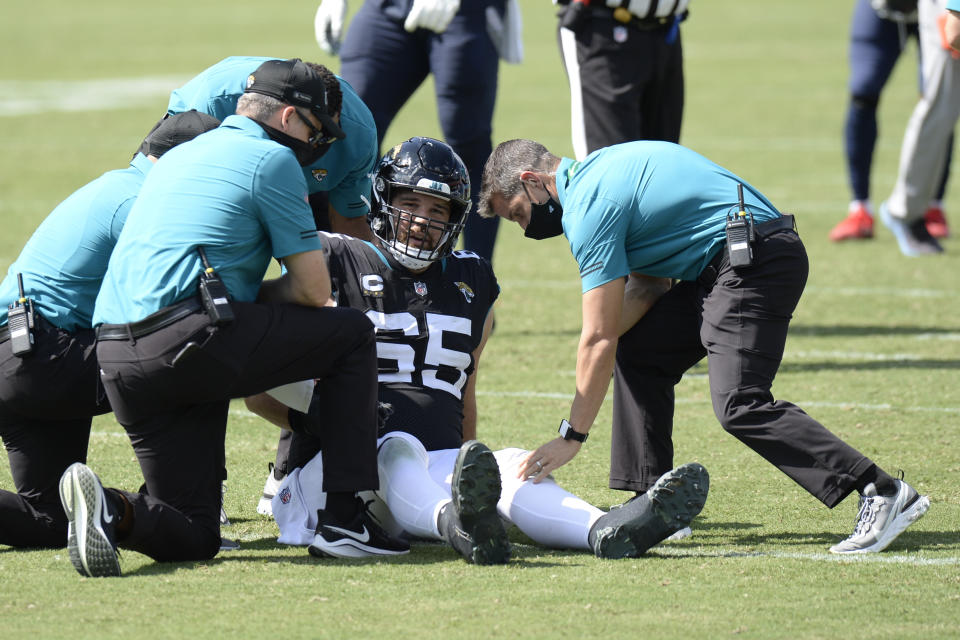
(428, 166)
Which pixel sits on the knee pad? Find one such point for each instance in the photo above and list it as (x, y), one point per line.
(398, 445)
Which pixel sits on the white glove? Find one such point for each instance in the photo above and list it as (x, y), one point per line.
(328, 25)
(430, 14)
(506, 32)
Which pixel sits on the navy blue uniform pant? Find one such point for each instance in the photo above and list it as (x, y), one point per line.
(385, 65)
(740, 324)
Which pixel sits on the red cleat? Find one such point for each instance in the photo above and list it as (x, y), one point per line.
(858, 225)
(936, 222)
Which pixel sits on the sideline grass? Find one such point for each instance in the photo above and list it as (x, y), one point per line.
(873, 353)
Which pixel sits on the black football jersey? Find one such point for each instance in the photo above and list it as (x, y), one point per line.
(428, 325)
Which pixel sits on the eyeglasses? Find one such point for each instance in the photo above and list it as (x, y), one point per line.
(317, 137)
(527, 191)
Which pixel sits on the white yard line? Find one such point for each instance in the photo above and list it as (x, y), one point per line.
(870, 558)
(872, 292)
(21, 97)
(802, 403)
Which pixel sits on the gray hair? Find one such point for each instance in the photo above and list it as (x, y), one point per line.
(501, 174)
(257, 106)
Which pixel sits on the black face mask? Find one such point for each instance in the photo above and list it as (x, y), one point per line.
(306, 153)
(545, 220)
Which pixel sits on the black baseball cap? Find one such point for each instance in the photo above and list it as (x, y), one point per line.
(176, 129)
(295, 83)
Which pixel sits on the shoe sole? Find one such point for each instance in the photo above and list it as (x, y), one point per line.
(675, 499)
(88, 546)
(679, 495)
(912, 513)
(348, 548)
(475, 489)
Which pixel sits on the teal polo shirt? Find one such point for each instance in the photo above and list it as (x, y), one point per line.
(233, 191)
(344, 171)
(655, 208)
(64, 261)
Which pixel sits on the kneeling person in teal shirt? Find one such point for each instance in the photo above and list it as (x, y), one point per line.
(174, 347)
(49, 395)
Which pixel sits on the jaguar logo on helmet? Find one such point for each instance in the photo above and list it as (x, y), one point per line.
(250, 80)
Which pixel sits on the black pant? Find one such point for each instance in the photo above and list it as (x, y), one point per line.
(176, 415)
(47, 399)
(630, 88)
(740, 325)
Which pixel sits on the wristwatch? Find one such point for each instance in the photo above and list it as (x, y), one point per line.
(567, 432)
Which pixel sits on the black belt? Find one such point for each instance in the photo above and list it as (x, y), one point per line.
(770, 227)
(709, 274)
(623, 16)
(153, 322)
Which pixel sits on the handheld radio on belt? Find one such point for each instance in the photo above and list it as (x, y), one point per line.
(213, 294)
(740, 235)
(20, 322)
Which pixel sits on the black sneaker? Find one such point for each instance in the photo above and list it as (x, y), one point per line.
(648, 519)
(226, 544)
(362, 537)
(91, 542)
(471, 523)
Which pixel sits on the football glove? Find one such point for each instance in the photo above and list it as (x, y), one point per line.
(328, 25)
(430, 14)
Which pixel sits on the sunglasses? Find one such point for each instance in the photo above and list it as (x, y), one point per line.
(317, 137)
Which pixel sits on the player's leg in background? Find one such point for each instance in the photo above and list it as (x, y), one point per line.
(383, 63)
(924, 150)
(465, 65)
(662, 98)
(935, 218)
(875, 46)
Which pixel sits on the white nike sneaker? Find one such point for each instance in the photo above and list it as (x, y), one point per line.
(91, 543)
(882, 518)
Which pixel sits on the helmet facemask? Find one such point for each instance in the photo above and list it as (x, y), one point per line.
(431, 168)
(415, 240)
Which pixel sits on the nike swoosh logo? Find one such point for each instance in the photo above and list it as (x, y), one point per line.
(363, 536)
(107, 516)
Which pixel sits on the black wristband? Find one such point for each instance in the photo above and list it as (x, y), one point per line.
(567, 432)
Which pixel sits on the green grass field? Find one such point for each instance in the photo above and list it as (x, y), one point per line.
(874, 354)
